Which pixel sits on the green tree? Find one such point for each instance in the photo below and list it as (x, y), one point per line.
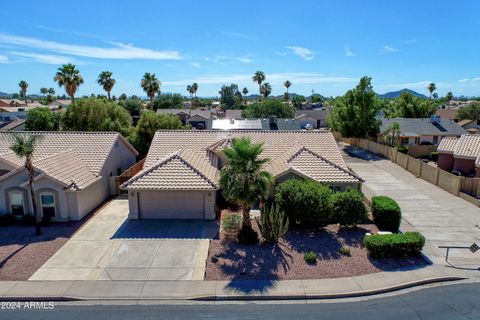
(69, 77)
(42, 119)
(43, 91)
(391, 134)
(134, 107)
(354, 114)
(266, 89)
(449, 97)
(192, 89)
(106, 81)
(23, 87)
(259, 77)
(24, 146)
(168, 101)
(431, 88)
(148, 124)
(470, 112)
(267, 108)
(242, 179)
(151, 85)
(409, 106)
(230, 97)
(298, 101)
(245, 92)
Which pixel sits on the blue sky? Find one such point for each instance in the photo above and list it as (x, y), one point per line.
(325, 46)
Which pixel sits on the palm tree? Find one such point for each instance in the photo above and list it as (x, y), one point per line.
(51, 93)
(431, 87)
(43, 91)
(266, 89)
(449, 97)
(245, 92)
(23, 146)
(23, 86)
(192, 89)
(151, 85)
(242, 179)
(259, 77)
(106, 81)
(70, 78)
(391, 133)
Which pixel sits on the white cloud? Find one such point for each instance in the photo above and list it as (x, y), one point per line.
(348, 52)
(278, 53)
(387, 49)
(238, 35)
(47, 58)
(222, 59)
(118, 51)
(4, 59)
(196, 65)
(305, 53)
(463, 80)
(476, 79)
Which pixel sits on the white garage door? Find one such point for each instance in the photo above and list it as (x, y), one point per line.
(172, 204)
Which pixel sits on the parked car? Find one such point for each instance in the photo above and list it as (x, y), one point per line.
(308, 126)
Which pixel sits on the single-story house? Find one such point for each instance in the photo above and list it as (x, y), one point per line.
(14, 125)
(450, 113)
(271, 123)
(472, 126)
(415, 131)
(72, 171)
(460, 155)
(196, 117)
(317, 118)
(180, 176)
(60, 103)
(12, 103)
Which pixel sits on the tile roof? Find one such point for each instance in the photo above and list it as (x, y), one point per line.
(423, 126)
(464, 122)
(447, 113)
(447, 145)
(179, 158)
(14, 125)
(66, 156)
(319, 114)
(467, 147)
(207, 114)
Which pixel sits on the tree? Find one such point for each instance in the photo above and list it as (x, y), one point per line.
(245, 92)
(123, 96)
(148, 124)
(230, 97)
(168, 101)
(392, 133)
(298, 101)
(192, 89)
(431, 88)
(354, 114)
(151, 85)
(106, 81)
(242, 179)
(43, 91)
(409, 106)
(266, 89)
(24, 146)
(449, 97)
(259, 77)
(23, 87)
(42, 119)
(470, 112)
(268, 108)
(287, 85)
(134, 107)
(69, 77)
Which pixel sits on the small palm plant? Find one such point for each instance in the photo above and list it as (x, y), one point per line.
(23, 146)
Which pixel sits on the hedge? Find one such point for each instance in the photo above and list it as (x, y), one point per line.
(386, 213)
(394, 245)
(348, 208)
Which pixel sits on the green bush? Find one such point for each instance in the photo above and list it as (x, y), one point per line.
(304, 201)
(310, 257)
(232, 222)
(28, 219)
(273, 223)
(386, 213)
(434, 156)
(348, 208)
(6, 219)
(402, 149)
(345, 251)
(394, 245)
(247, 236)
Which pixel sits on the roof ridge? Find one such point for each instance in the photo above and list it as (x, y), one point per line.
(54, 155)
(203, 175)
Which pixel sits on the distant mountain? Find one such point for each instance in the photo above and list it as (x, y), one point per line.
(396, 94)
(5, 95)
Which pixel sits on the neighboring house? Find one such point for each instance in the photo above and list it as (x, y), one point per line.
(415, 131)
(271, 123)
(12, 103)
(180, 176)
(317, 118)
(72, 172)
(472, 126)
(196, 118)
(233, 114)
(63, 103)
(451, 114)
(6, 116)
(14, 125)
(460, 155)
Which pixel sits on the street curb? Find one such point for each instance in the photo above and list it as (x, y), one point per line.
(251, 297)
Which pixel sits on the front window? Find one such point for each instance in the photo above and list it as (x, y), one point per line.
(48, 204)
(17, 203)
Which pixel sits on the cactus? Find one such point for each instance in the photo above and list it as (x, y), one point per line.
(273, 223)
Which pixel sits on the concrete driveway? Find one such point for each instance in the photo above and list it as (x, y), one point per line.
(110, 247)
(441, 217)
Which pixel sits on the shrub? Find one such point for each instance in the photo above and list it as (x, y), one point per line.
(28, 219)
(402, 149)
(6, 219)
(348, 208)
(345, 251)
(304, 201)
(394, 245)
(386, 213)
(247, 236)
(310, 257)
(273, 223)
(232, 222)
(434, 156)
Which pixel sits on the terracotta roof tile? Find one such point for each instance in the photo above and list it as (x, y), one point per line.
(447, 145)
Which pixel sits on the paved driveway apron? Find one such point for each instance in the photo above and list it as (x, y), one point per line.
(441, 217)
(110, 247)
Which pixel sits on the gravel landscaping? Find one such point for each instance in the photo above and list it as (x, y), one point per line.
(229, 260)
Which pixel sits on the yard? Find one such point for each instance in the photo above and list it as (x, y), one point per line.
(230, 260)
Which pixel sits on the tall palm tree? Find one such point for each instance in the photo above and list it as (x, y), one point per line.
(449, 98)
(245, 92)
(192, 89)
(70, 78)
(431, 87)
(242, 179)
(259, 77)
(23, 146)
(23, 86)
(51, 93)
(151, 85)
(287, 85)
(106, 81)
(266, 89)
(43, 91)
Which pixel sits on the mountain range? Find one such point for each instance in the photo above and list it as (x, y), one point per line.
(396, 94)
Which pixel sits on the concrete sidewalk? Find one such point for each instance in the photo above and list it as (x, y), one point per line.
(371, 284)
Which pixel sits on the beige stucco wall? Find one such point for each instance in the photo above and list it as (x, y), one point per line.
(89, 198)
(119, 157)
